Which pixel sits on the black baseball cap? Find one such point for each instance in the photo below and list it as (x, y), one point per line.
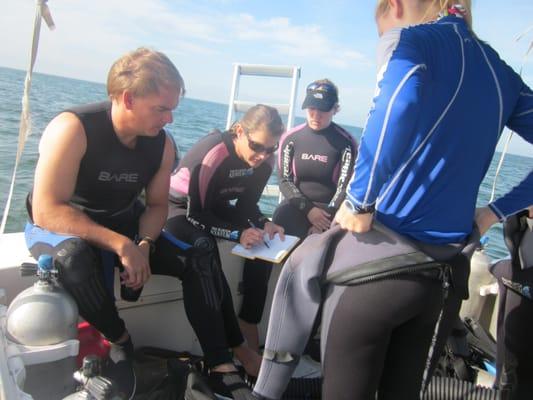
(320, 95)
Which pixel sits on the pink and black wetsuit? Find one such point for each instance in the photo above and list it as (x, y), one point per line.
(314, 171)
(213, 194)
(210, 180)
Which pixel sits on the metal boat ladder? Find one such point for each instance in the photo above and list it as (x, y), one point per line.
(277, 71)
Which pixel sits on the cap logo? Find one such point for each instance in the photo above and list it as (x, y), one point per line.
(318, 95)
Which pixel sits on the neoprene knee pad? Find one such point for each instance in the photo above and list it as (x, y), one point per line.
(77, 262)
(207, 264)
(204, 243)
(204, 269)
(205, 257)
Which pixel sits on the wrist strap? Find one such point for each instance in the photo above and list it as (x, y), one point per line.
(147, 239)
(354, 209)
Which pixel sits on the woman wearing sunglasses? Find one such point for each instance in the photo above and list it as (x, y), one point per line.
(315, 161)
(214, 193)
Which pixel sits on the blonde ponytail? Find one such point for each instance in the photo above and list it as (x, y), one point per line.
(442, 7)
(445, 5)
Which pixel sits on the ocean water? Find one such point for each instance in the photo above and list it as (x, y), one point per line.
(192, 119)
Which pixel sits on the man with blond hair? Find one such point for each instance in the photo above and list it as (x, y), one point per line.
(85, 209)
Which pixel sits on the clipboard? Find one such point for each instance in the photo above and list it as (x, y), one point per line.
(275, 253)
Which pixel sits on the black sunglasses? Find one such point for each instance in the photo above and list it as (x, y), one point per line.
(258, 147)
(321, 87)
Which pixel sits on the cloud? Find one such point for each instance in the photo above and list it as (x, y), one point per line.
(101, 29)
(302, 41)
(202, 41)
(151, 21)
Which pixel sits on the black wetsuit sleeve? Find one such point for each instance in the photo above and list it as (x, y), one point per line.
(223, 196)
(287, 185)
(203, 216)
(346, 168)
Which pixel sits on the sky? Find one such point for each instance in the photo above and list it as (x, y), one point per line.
(204, 38)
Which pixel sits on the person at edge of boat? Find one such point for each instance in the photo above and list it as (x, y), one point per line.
(314, 164)
(85, 209)
(214, 194)
(442, 96)
(514, 359)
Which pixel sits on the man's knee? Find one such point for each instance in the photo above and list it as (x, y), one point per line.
(78, 265)
(77, 262)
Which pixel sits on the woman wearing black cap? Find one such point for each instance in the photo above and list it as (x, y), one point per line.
(318, 157)
(315, 160)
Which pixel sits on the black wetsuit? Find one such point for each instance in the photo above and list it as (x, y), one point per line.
(108, 185)
(213, 194)
(314, 170)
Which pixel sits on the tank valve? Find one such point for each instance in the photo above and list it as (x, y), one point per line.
(94, 386)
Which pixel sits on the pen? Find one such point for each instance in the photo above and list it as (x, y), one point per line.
(255, 227)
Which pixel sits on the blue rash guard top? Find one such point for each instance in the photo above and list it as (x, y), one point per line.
(443, 98)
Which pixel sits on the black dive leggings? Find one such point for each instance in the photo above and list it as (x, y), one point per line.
(378, 338)
(294, 221)
(207, 296)
(256, 273)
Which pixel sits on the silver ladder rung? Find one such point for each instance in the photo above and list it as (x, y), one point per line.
(282, 71)
(243, 106)
(277, 71)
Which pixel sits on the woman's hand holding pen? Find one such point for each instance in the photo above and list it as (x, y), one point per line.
(251, 237)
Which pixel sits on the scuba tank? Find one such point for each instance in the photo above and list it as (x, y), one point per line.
(43, 314)
(42, 323)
